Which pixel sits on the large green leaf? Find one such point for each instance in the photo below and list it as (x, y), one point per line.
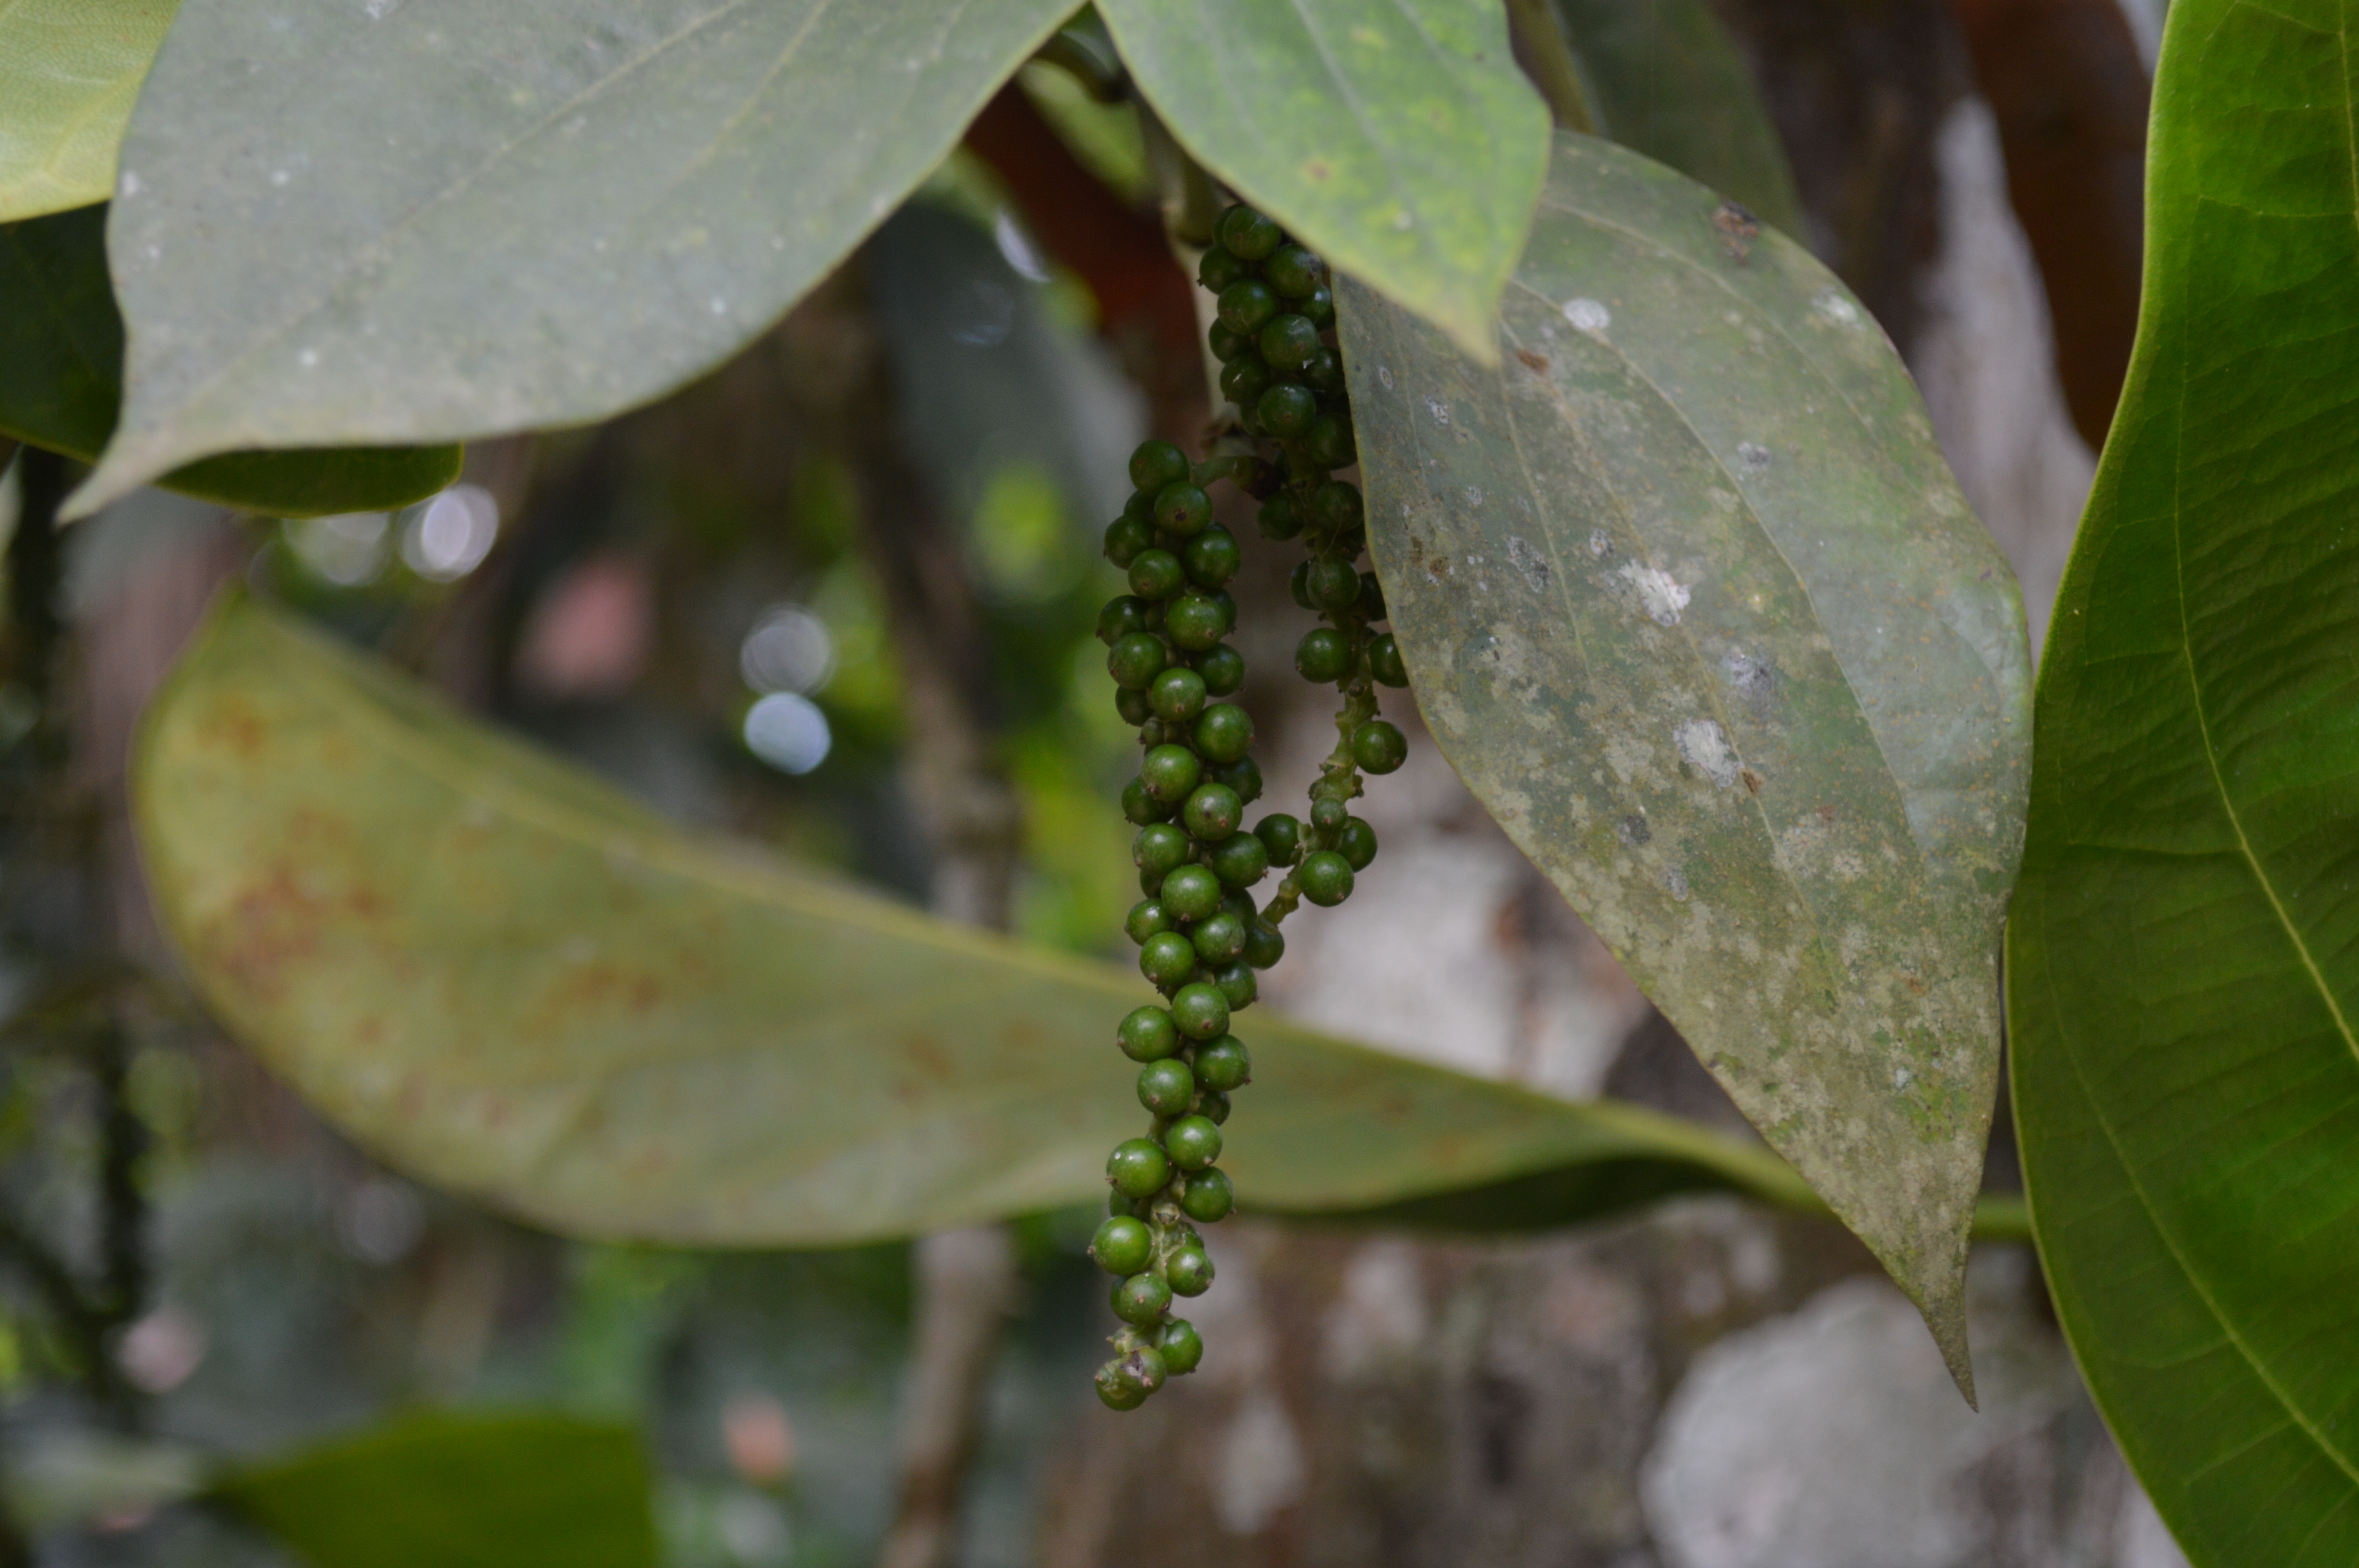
(513, 982)
(1400, 140)
(2183, 953)
(71, 70)
(441, 219)
(60, 382)
(1690, 599)
(461, 1491)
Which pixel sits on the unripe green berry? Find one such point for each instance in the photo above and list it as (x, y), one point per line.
(1160, 849)
(1265, 945)
(1116, 1391)
(1219, 939)
(1167, 1088)
(1142, 808)
(1192, 894)
(1333, 585)
(1213, 1104)
(1132, 705)
(1328, 815)
(1226, 345)
(1147, 918)
(1181, 508)
(1299, 585)
(1287, 409)
(1280, 833)
(1323, 656)
(1243, 776)
(1212, 557)
(1240, 860)
(1223, 1065)
(1122, 615)
(1182, 1347)
(1337, 505)
(1330, 442)
(1227, 604)
(1135, 659)
(1246, 306)
(1377, 746)
(1209, 1197)
(1219, 268)
(1143, 1366)
(1287, 341)
(1124, 1246)
(1212, 812)
(1240, 986)
(1356, 843)
(1224, 732)
(1121, 1207)
(1154, 464)
(1141, 1299)
(1169, 773)
(1325, 878)
(1371, 597)
(1150, 730)
(1248, 234)
(1157, 574)
(1223, 669)
(1244, 379)
(1197, 622)
(1295, 272)
(1138, 1167)
(1319, 305)
(1239, 902)
(1385, 661)
(1167, 959)
(1147, 1034)
(1125, 537)
(1324, 371)
(1176, 695)
(1201, 1011)
(1279, 518)
(1192, 1141)
(1189, 1272)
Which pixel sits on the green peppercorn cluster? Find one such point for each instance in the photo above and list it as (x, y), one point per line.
(1200, 938)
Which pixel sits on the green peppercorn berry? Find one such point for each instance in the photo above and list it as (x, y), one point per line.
(1197, 621)
(1143, 1366)
(1337, 505)
(1279, 518)
(1121, 1207)
(1213, 1103)
(1248, 234)
(1287, 341)
(1299, 585)
(1182, 1347)
(1132, 705)
(1356, 843)
(1208, 1198)
(1157, 574)
(1226, 345)
(1319, 305)
(1182, 509)
(1190, 1271)
(1239, 985)
(1167, 959)
(1246, 306)
(1192, 894)
(1147, 918)
(1141, 806)
(1219, 938)
(1170, 772)
(1150, 732)
(1141, 1299)
(1371, 597)
(1138, 1167)
(1165, 1087)
(1295, 272)
(1333, 585)
(1223, 1065)
(1240, 860)
(1155, 464)
(1223, 669)
(1324, 371)
(1287, 408)
(1325, 879)
(1243, 776)
(1212, 557)
(1124, 1246)
(1239, 902)
(1224, 732)
(1147, 1034)
(1328, 815)
(1330, 442)
(1122, 615)
(1265, 945)
(1244, 379)
(1177, 695)
(1125, 537)
(1135, 659)
(1193, 1143)
(1160, 849)
(1280, 833)
(1200, 1013)
(1227, 602)
(1218, 269)
(1385, 661)
(1377, 746)
(1323, 656)
(1212, 812)
(1116, 1391)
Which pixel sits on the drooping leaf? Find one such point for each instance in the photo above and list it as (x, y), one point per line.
(461, 1491)
(1666, 80)
(60, 383)
(2183, 952)
(509, 980)
(438, 220)
(1691, 601)
(1400, 141)
(72, 70)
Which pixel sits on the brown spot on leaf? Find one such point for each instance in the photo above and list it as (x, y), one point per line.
(1319, 169)
(1738, 227)
(1751, 780)
(1537, 364)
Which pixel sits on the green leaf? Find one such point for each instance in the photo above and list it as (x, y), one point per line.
(71, 70)
(510, 982)
(1690, 599)
(60, 359)
(461, 1491)
(443, 220)
(1400, 141)
(1666, 80)
(2182, 957)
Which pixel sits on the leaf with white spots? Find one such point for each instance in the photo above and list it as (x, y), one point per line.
(1754, 692)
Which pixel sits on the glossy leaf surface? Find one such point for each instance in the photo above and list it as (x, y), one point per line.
(2183, 955)
(1400, 141)
(461, 1491)
(445, 220)
(1689, 598)
(507, 980)
(72, 70)
(60, 359)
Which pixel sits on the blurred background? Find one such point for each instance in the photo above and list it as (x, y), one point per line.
(837, 600)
